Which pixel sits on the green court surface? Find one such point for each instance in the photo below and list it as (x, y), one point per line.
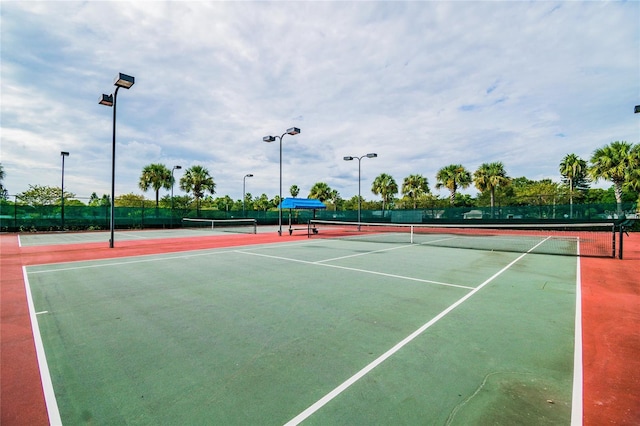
(318, 331)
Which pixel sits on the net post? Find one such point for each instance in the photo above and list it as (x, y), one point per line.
(255, 226)
(613, 240)
(621, 242)
(411, 234)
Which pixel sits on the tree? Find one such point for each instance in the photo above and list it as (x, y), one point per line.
(335, 199)
(156, 176)
(3, 191)
(248, 201)
(385, 186)
(490, 176)
(616, 162)
(38, 195)
(415, 186)
(633, 180)
(294, 191)
(130, 200)
(95, 201)
(179, 201)
(452, 177)
(262, 202)
(574, 174)
(197, 180)
(224, 203)
(320, 191)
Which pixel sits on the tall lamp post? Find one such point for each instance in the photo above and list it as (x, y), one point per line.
(62, 154)
(172, 182)
(292, 131)
(350, 158)
(124, 81)
(244, 179)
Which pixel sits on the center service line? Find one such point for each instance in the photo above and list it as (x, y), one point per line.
(328, 397)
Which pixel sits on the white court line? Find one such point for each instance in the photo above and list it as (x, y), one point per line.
(148, 258)
(45, 376)
(365, 271)
(132, 235)
(335, 392)
(576, 400)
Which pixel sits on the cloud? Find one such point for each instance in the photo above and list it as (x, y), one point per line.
(423, 84)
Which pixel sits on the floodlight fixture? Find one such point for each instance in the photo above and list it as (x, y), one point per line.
(637, 109)
(106, 100)
(62, 154)
(172, 182)
(243, 190)
(124, 81)
(291, 131)
(349, 158)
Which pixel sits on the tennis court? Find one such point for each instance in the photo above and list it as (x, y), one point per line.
(189, 229)
(320, 331)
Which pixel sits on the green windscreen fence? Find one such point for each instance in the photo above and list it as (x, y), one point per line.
(16, 216)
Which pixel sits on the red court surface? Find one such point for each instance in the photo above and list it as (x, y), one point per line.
(610, 318)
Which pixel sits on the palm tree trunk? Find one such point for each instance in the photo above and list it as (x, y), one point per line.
(493, 197)
(571, 199)
(617, 189)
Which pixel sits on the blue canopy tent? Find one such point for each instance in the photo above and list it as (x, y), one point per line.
(301, 204)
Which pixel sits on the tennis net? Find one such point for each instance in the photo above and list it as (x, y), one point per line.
(575, 239)
(244, 226)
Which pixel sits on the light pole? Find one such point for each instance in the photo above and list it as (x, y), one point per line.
(172, 182)
(292, 131)
(349, 158)
(243, 191)
(62, 154)
(125, 81)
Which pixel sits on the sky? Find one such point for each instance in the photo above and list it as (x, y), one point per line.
(423, 84)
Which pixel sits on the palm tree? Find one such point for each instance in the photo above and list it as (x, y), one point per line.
(452, 177)
(197, 180)
(415, 186)
(155, 176)
(573, 170)
(385, 186)
(320, 191)
(616, 162)
(3, 191)
(294, 191)
(335, 198)
(263, 202)
(633, 180)
(488, 177)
